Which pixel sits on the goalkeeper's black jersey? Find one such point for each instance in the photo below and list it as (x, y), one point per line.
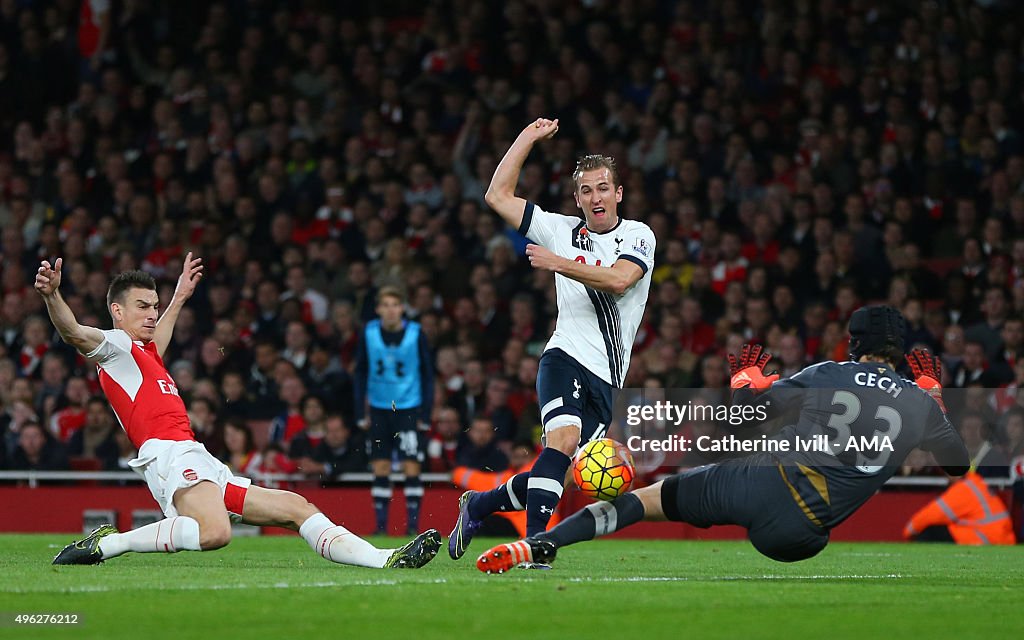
(872, 418)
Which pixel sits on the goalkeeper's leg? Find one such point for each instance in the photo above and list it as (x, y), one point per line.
(598, 519)
(603, 518)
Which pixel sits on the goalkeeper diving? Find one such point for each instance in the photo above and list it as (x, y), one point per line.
(790, 501)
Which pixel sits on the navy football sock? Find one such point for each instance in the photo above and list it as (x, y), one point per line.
(381, 493)
(598, 519)
(413, 499)
(511, 496)
(544, 489)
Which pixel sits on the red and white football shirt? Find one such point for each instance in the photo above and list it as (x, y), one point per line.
(141, 392)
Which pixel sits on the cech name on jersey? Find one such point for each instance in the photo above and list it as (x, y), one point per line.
(885, 383)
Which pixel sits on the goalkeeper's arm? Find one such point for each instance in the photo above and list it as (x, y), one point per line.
(784, 398)
(945, 443)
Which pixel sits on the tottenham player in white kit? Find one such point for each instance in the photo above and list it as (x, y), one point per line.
(602, 267)
(198, 493)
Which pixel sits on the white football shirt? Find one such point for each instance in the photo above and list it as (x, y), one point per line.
(594, 327)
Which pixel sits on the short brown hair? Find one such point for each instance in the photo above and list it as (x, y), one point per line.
(595, 161)
(390, 292)
(122, 282)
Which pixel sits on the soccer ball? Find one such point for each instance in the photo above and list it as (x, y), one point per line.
(603, 469)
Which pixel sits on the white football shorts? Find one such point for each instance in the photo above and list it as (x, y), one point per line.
(169, 465)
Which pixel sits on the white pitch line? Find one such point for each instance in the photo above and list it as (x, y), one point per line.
(389, 583)
(224, 587)
(888, 576)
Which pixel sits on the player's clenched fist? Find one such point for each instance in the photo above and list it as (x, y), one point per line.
(541, 258)
(48, 278)
(541, 128)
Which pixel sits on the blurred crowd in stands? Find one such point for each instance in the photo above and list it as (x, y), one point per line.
(795, 159)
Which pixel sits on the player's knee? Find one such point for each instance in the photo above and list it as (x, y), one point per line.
(565, 439)
(650, 498)
(411, 467)
(296, 509)
(214, 535)
(788, 548)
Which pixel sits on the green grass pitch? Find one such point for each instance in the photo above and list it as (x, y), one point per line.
(275, 587)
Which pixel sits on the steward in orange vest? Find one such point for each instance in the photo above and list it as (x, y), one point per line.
(968, 511)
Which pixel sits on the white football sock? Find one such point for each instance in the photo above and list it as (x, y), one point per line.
(338, 544)
(180, 533)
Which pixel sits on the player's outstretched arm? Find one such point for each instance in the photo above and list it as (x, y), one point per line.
(500, 194)
(768, 396)
(944, 442)
(191, 273)
(616, 279)
(47, 284)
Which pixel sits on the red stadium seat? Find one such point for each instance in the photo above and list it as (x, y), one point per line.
(85, 463)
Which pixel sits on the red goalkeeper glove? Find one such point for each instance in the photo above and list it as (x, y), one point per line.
(927, 370)
(748, 369)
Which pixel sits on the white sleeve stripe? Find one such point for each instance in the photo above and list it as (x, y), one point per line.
(115, 341)
(125, 371)
(95, 352)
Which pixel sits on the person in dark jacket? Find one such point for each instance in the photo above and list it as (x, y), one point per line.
(341, 450)
(96, 437)
(481, 449)
(37, 450)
